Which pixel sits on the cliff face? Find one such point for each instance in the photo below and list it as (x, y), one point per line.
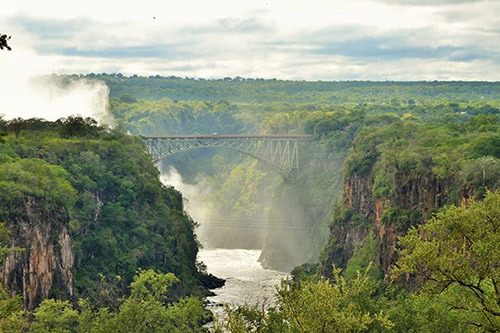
(412, 199)
(44, 266)
(359, 201)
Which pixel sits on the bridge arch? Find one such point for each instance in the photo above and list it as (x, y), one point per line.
(279, 151)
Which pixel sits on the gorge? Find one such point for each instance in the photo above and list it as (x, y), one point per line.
(90, 219)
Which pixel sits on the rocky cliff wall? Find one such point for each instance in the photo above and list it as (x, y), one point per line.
(43, 268)
(412, 199)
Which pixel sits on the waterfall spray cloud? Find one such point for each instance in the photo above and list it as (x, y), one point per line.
(194, 204)
(26, 95)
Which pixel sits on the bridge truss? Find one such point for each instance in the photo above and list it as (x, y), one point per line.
(280, 151)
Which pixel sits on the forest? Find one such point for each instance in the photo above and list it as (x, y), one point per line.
(398, 194)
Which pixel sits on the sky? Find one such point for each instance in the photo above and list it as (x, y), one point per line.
(329, 40)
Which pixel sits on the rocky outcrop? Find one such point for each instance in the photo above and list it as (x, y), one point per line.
(350, 225)
(43, 266)
(358, 195)
(414, 196)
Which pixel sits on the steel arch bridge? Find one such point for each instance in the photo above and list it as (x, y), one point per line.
(279, 151)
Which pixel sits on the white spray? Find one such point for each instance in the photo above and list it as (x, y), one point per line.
(26, 94)
(195, 203)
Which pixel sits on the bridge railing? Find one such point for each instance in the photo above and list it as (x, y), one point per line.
(231, 136)
(280, 151)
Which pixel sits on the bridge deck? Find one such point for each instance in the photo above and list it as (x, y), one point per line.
(230, 136)
(278, 150)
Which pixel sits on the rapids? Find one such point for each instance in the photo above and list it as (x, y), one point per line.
(247, 282)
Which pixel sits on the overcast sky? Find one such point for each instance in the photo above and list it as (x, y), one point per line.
(285, 39)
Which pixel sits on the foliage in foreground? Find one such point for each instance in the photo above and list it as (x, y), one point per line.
(145, 310)
(322, 306)
(458, 253)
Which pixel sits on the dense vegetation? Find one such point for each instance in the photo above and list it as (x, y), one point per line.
(400, 174)
(121, 218)
(388, 159)
(146, 309)
(255, 90)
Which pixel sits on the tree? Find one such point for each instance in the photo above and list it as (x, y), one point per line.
(55, 316)
(128, 99)
(16, 125)
(4, 241)
(11, 308)
(487, 146)
(143, 311)
(78, 126)
(458, 252)
(12, 316)
(332, 306)
(150, 285)
(146, 309)
(314, 306)
(4, 42)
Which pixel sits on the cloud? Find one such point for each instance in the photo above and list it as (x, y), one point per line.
(89, 38)
(81, 33)
(49, 29)
(429, 2)
(283, 39)
(242, 26)
(143, 51)
(390, 48)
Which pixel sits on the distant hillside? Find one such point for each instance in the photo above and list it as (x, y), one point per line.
(248, 90)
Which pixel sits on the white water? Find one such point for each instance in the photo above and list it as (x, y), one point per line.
(247, 282)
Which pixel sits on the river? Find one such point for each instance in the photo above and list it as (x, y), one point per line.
(247, 282)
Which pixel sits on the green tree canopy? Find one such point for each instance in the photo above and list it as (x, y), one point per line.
(325, 306)
(458, 252)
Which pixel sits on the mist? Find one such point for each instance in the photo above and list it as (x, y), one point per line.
(280, 229)
(27, 94)
(218, 228)
(195, 202)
